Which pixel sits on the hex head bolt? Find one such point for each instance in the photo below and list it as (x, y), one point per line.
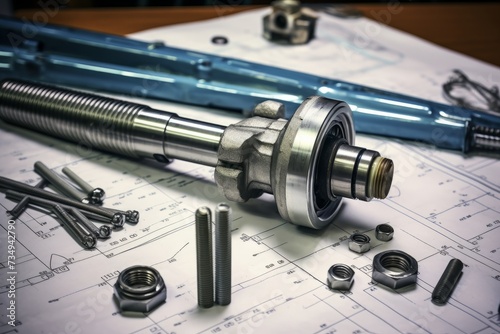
(223, 254)
(94, 195)
(59, 182)
(117, 218)
(102, 232)
(83, 237)
(23, 203)
(204, 262)
(447, 282)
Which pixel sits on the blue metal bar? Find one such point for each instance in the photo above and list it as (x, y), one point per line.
(65, 56)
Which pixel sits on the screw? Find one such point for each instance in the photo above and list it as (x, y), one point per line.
(23, 203)
(59, 182)
(86, 239)
(223, 254)
(117, 218)
(447, 282)
(204, 264)
(102, 232)
(94, 195)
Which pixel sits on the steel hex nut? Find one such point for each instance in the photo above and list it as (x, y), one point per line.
(384, 232)
(340, 277)
(394, 269)
(140, 289)
(359, 243)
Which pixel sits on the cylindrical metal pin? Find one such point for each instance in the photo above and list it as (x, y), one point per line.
(204, 262)
(223, 254)
(447, 282)
(59, 182)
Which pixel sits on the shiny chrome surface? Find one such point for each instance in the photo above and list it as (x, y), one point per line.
(304, 162)
(192, 141)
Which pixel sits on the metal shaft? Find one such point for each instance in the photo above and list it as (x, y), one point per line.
(223, 254)
(59, 182)
(84, 238)
(23, 203)
(447, 282)
(116, 218)
(204, 262)
(309, 163)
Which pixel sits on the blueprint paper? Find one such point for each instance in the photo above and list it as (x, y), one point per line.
(442, 205)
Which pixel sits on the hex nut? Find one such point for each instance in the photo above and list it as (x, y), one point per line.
(359, 243)
(340, 277)
(139, 289)
(394, 269)
(384, 232)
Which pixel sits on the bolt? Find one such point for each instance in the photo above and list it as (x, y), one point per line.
(85, 238)
(204, 264)
(94, 195)
(116, 218)
(59, 182)
(102, 232)
(23, 203)
(223, 254)
(447, 282)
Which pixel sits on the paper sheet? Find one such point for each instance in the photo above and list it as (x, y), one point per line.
(442, 205)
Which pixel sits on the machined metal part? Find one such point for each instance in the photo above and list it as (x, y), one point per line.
(59, 182)
(447, 282)
(223, 254)
(114, 217)
(17, 210)
(359, 243)
(140, 289)
(303, 161)
(394, 269)
(384, 232)
(289, 23)
(84, 238)
(340, 277)
(94, 195)
(204, 261)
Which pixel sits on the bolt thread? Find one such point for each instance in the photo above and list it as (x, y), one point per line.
(447, 282)
(486, 138)
(223, 254)
(91, 120)
(204, 262)
(381, 178)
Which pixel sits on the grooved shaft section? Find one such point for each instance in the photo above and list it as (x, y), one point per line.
(86, 119)
(204, 262)
(223, 254)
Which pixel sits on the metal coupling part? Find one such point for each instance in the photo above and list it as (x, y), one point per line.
(394, 269)
(309, 163)
(340, 277)
(140, 289)
(359, 243)
(289, 23)
(384, 232)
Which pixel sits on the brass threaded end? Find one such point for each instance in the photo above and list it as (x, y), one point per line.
(381, 176)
